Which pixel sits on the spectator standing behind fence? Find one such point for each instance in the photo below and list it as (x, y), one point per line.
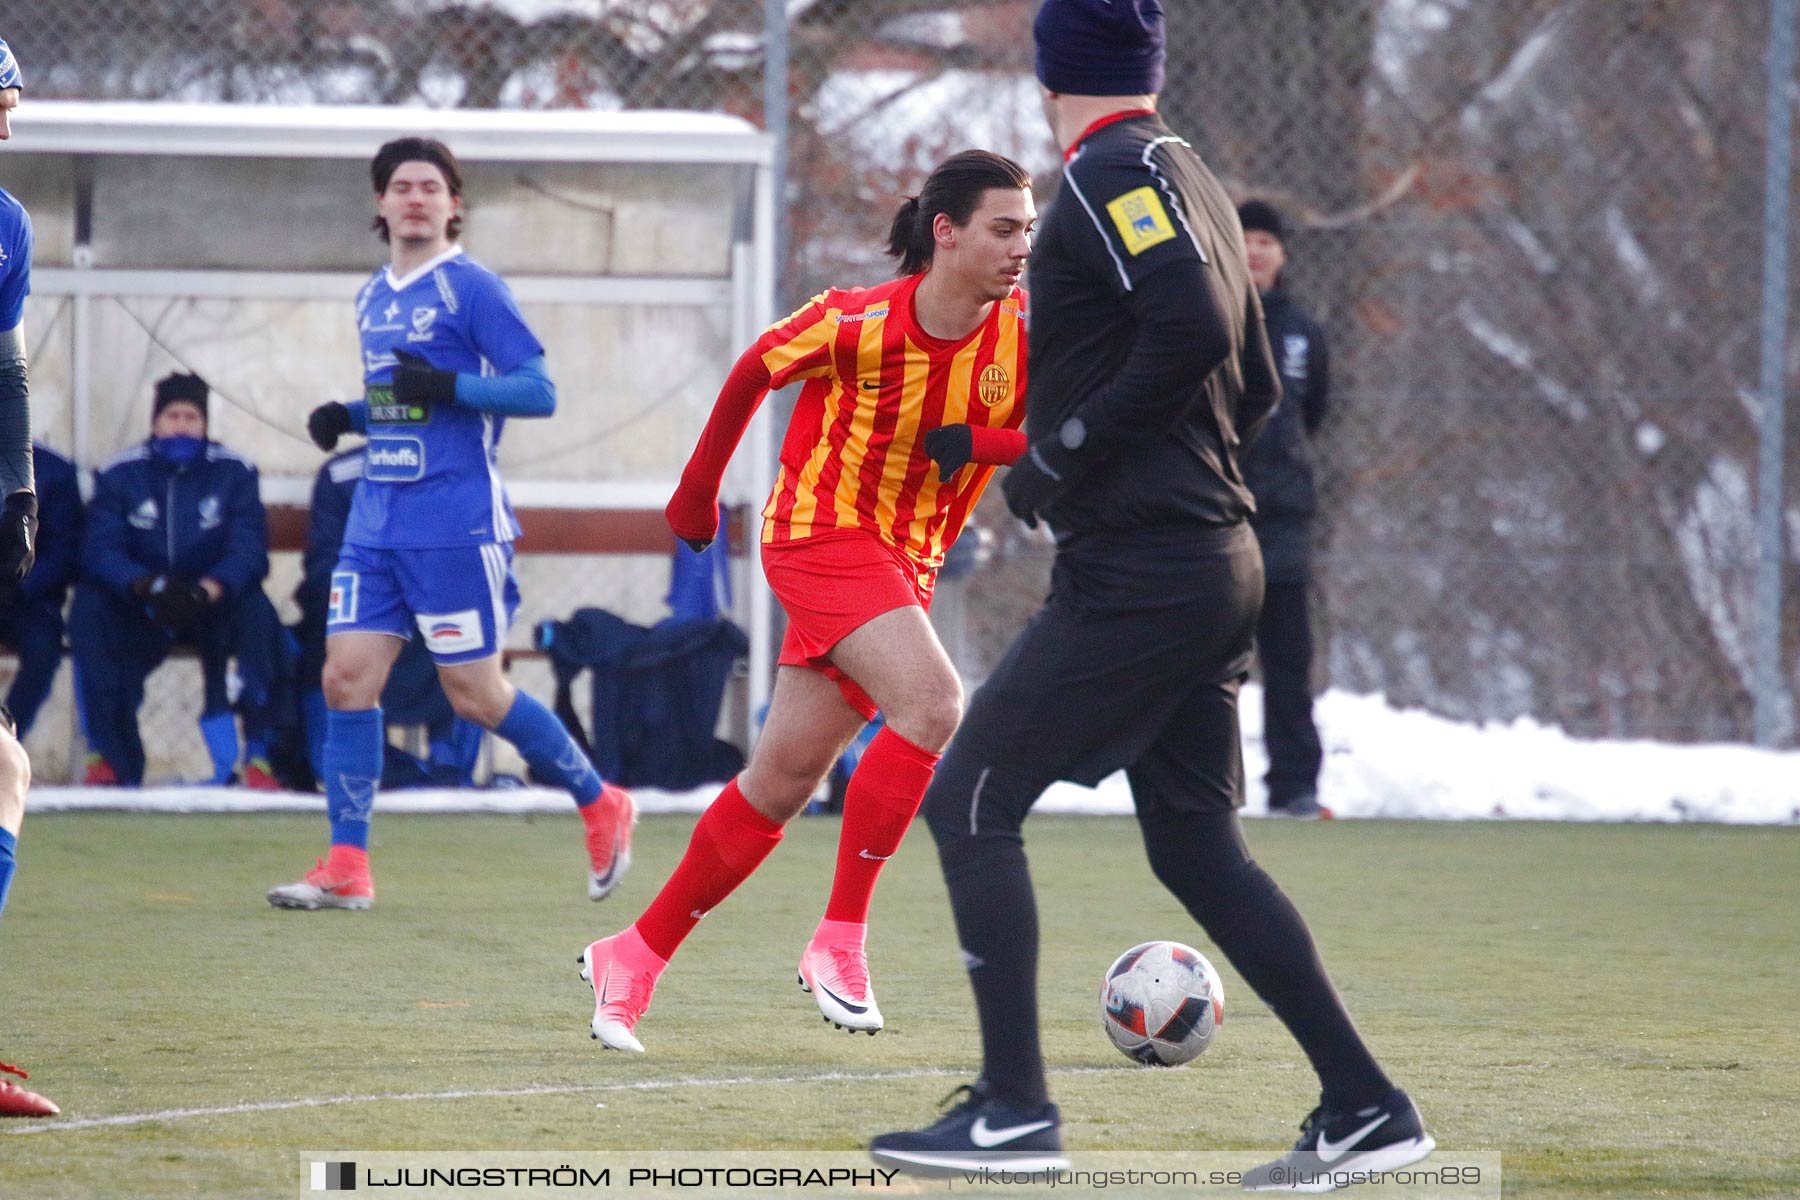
(31, 613)
(175, 551)
(1279, 470)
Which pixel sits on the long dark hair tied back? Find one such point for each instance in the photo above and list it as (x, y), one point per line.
(954, 188)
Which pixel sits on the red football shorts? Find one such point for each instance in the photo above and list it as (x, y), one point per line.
(832, 583)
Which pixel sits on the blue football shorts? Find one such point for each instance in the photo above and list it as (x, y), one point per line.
(460, 600)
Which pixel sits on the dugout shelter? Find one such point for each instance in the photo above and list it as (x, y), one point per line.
(231, 240)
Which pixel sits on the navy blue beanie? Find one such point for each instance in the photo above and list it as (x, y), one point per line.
(179, 388)
(1260, 214)
(1100, 47)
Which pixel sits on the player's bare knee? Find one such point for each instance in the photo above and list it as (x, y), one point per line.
(930, 723)
(779, 786)
(348, 686)
(479, 706)
(777, 797)
(477, 692)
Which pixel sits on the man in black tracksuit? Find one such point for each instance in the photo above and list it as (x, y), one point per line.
(1149, 369)
(1279, 470)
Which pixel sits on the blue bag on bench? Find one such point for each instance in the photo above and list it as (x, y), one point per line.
(656, 695)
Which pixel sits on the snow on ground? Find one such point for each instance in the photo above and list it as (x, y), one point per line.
(1379, 762)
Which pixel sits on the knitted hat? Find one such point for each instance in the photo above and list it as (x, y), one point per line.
(182, 389)
(1100, 47)
(1260, 214)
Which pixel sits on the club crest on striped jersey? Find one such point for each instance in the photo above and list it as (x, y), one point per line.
(994, 386)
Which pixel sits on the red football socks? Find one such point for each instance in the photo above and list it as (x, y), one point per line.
(883, 796)
(730, 841)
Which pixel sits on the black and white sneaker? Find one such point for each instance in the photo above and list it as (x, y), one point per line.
(981, 1132)
(1337, 1146)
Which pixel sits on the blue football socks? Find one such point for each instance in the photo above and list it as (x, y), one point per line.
(352, 762)
(549, 750)
(219, 730)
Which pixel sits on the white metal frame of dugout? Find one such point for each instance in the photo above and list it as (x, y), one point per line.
(253, 132)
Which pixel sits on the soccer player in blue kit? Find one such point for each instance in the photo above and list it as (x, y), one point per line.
(18, 519)
(447, 357)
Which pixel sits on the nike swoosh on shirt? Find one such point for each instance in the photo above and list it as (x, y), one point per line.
(1330, 1152)
(873, 857)
(987, 1139)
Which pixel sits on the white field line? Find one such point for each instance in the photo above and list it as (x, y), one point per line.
(643, 1085)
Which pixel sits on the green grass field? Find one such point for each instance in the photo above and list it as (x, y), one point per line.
(1611, 1007)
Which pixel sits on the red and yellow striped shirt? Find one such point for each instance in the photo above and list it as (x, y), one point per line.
(854, 454)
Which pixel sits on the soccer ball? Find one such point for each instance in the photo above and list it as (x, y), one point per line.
(1161, 1003)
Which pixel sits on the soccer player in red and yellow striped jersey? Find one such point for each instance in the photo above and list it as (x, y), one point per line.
(913, 392)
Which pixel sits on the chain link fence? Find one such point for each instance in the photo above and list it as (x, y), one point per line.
(1532, 229)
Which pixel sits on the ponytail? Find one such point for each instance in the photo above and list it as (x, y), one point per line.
(905, 236)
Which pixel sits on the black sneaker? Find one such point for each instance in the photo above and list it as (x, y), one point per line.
(981, 1132)
(1335, 1146)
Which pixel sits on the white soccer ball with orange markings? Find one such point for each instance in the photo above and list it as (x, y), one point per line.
(1162, 1003)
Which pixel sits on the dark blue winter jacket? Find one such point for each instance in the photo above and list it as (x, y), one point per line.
(203, 519)
(59, 528)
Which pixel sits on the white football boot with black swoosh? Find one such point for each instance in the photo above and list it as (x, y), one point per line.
(981, 1132)
(623, 971)
(834, 967)
(1337, 1146)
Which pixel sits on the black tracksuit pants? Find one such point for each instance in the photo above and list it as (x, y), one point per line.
(1284, 652)
(1135, 664)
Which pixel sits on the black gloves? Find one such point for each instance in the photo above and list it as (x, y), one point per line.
(174, 603)
(418, 382)
(950, 447)
(18, 538)
(327, 423)
(1046, 471)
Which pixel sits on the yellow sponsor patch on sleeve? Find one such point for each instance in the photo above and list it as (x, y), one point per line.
(1142, 220)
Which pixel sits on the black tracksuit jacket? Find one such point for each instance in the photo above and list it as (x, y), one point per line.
(1145, 326)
